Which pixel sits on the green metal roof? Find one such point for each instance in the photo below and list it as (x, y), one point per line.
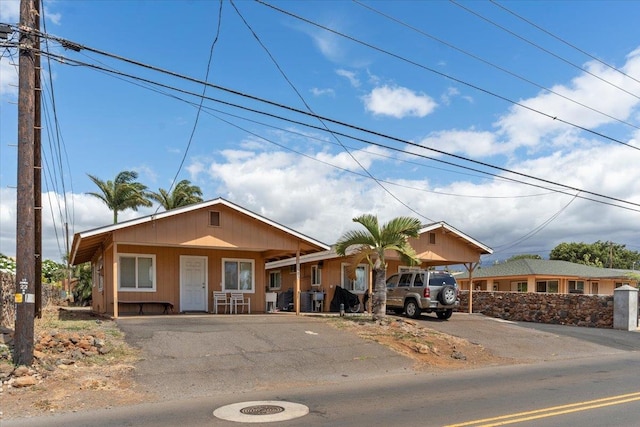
(543, 267)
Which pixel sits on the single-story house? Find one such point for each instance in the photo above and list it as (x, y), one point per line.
(438, 244)
(178, 258)
(548, 276)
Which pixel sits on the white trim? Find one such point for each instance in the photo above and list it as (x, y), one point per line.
(253, 275)
(154, 278)
(279, 287)
(442, 224)
(366, 278)
(318, 275)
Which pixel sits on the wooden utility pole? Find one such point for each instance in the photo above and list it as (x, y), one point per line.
(37, 166)
(25, 223)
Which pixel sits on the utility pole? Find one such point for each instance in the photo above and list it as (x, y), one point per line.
(25, 206)
(37, 167)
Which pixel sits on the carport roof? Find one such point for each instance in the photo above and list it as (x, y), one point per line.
(86, 243)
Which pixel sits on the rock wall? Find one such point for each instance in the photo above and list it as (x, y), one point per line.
(7, 291)
(50, 295)
(594, 311)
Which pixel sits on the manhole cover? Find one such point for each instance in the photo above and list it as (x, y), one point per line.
(264, 411)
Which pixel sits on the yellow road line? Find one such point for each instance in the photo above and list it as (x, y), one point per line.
(551, 411)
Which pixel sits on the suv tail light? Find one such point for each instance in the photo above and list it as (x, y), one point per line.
(427, 292)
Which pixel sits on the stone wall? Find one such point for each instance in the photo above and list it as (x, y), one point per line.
(7, 291)
(594, 311)
(50, 295)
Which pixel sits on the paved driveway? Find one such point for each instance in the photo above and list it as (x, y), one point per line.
(199, 355)
(535, 341)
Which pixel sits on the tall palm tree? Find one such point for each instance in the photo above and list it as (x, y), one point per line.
(122, 193)
(370, 244)
(183, 194)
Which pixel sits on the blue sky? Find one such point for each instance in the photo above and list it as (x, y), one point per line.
(469, 79)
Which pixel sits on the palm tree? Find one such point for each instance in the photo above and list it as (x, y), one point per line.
(122, 193)
(370, 245)
(183, 194)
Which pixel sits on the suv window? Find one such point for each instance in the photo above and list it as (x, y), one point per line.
(441, 279)
(405, 280)
(392, 281)
(419, 280)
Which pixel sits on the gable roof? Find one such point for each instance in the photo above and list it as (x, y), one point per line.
(86, 243)
(484, 249)
(330, 254)
(543, 267)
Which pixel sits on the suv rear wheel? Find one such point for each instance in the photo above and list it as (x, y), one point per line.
(447, 295)
(411, 309)
(444, 315)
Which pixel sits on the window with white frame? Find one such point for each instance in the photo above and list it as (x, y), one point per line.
(360, 284)
(548, 286)
(275, 280)
(137, 272)
(238, 275)
(316, 274)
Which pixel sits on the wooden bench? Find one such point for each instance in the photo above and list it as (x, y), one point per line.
(166, 304)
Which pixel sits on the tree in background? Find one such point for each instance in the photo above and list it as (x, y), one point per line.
(524, 256)
(370, 244)
(122, 193)
(183, 194)
(598, 254)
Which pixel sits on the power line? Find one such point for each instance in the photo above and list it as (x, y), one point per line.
(491, 64)
(542, 48)
(549, 33)
(309, 109)
(204, 90)
(68, 61)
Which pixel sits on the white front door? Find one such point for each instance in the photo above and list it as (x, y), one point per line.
(193, 283)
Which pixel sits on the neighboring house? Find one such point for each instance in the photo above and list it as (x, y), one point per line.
(181, 256)
(438, 244)
(547, 276)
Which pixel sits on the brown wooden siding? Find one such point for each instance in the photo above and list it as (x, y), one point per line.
(236, 230)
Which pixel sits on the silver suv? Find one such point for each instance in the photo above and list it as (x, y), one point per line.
(419, 291)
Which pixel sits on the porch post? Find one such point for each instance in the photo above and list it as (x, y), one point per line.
(297, 297)
(470, 267)
(114, 281)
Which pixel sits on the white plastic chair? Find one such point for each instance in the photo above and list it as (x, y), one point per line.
(237, 300)
(220, 298)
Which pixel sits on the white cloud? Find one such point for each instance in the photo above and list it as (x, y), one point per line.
(328, 44)
(398, 102)
(469, 142)
(10, 11)
(349, 75)
(523, 127)
(8, 78)
(322, 92)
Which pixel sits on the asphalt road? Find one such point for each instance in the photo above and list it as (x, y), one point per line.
(197, 364)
